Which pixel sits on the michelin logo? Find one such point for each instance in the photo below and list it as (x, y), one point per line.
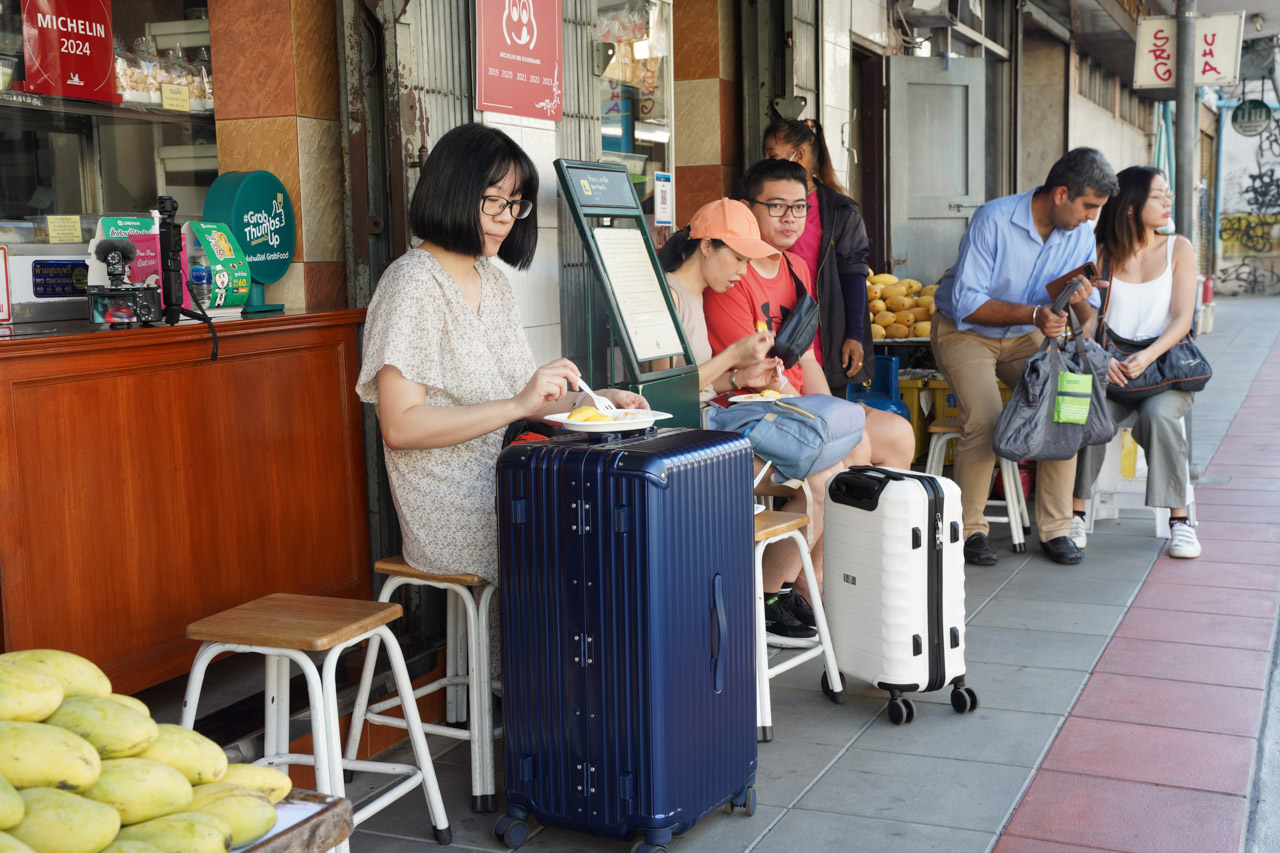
(518, 23)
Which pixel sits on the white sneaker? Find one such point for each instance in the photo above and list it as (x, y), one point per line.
(1183, 542)
(1077, 534)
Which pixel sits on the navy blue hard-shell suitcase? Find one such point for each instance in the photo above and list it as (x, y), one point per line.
(628, 676)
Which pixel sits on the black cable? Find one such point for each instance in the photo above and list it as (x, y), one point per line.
(203, 316)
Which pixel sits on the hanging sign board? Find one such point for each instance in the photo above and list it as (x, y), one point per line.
(1250, 118)
(68, 49)
(518, 57)
(1217, 55)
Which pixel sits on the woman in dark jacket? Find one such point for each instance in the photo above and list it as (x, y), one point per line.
(835, 247)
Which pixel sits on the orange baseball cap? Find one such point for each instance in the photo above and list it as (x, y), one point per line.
(729, 221)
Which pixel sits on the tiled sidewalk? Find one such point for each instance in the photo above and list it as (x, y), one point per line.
(1122, 697)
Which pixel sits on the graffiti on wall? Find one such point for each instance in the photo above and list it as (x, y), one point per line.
(1249, 223)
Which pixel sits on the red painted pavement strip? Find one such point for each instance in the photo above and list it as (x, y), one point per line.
(1109, 814)
(1176, 704)
(1225, 495)
(1199, 572)
(1161, 756)
(1246, 514)
(1018, 844)
(1227, 469)
(1185, 662)
(1242, 531)
(1205, 629)
(1207, 599)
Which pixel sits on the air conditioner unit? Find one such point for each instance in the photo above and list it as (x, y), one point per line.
(929, 14)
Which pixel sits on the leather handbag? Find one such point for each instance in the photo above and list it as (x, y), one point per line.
(797, 331)
(1182, 368)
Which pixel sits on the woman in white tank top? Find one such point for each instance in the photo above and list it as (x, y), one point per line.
(1152, 296)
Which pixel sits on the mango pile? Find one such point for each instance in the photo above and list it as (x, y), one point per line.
(900, 308)
(85, 770)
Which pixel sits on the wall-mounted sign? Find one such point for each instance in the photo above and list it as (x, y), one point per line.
(1250, 118)
(68, 49)
(518, 57)
(1217, 55)
(259, 212)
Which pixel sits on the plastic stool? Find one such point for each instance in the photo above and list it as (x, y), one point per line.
(284, 628)
(942, 434)
(466, 653)
(774, 527)
(1114, 491)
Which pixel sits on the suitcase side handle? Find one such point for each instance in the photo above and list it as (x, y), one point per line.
(722, 629)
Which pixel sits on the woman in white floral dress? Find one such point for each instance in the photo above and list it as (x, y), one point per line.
(446, 360)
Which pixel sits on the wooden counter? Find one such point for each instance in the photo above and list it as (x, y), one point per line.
(143, 487)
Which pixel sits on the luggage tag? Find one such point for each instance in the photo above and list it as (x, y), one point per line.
(1075, 392)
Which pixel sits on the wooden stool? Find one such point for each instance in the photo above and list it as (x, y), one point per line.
(774, 527)
(942, 434)
(467, 654)
(284, 628)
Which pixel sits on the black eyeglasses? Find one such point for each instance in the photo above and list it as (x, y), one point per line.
(777, 209)
(493, 205)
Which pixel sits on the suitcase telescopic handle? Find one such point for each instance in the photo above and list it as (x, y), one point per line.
(722, 628)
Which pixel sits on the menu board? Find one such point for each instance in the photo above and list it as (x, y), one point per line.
(602, 188)
(638, 293)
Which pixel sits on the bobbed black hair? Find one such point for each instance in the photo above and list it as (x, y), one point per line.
(679, 247)
(771, 170)
(446, 203)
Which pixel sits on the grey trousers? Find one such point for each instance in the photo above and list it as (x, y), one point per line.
(1157, 427)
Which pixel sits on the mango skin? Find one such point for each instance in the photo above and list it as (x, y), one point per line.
(114, 729)
(184, 832)
(60, 822)
(130, 702)
(79, 676)
(141, 790)
(9, 844)
(33, 755)
(124, 847)
(27, 695)
(250, 815)
(11, 806)
(191, 753)
(274, 784)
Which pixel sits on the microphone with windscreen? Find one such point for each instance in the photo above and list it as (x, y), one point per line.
(116, 255)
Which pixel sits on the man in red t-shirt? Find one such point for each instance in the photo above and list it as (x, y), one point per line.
(767, 292)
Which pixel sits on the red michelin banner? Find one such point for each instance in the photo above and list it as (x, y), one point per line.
(68, 49)
(518, 53)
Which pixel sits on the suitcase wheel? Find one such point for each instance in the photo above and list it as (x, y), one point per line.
(833, 695)
(642, 846)
(745, 801)
(901, 711)
(964, 700)
(511, 831)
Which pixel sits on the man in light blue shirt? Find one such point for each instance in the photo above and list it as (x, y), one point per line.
(993, 313)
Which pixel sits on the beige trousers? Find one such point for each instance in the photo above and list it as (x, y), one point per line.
(971, 364)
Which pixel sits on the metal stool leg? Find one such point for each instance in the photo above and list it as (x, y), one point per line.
(482, 730)
(834, 681)
(195, 682)
(764, 710)
(361, 708)
(1012, 501)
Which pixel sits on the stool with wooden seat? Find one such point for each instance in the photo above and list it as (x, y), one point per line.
(943, 434)
(771, 527)
(466, 666)
(285, 628)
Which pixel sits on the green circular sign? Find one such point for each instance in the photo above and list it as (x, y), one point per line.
(1250, 118)
(255, 206)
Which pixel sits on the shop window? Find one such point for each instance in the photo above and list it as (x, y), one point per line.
(70, 145)
(636, 90)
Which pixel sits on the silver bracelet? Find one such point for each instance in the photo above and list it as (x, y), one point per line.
(1034, 312)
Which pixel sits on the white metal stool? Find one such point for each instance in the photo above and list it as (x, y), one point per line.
(942, 435)
(1115, 490)
(284, 628)
(771, 527)
(466, 654)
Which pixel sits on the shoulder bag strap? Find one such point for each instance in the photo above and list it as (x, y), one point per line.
(801, 290)
(1106, 296)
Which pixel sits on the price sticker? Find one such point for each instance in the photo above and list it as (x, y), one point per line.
(175, 97)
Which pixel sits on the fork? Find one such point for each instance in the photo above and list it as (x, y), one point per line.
(603, 404)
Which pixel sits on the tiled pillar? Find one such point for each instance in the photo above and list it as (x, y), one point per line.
(708, 104)
(276, 90)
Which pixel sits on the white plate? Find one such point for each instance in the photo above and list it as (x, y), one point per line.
(757, 398)
(628, 420)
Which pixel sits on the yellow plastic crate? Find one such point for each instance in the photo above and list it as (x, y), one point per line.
(909, 391)
(947, 407)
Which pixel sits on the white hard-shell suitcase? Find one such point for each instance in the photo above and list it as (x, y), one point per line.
(893, 584)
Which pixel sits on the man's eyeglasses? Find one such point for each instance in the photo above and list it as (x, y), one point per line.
(777, 209)
(493, 205)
